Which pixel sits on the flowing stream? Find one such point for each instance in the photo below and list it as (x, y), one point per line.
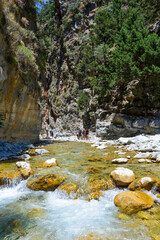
(31, 215)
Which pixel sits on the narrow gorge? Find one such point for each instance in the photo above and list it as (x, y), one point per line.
(79, 119)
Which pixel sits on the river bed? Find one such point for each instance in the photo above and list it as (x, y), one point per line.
(30, 215)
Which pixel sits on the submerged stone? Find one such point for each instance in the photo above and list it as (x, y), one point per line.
(46, 183)
(132, 202)
(68, 188)
(93, 236)
(96, 195)
(96, 186)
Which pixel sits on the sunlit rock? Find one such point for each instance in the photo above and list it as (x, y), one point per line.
(41, 151)
(50, 163)
(142, 155)
(46, 183)
(142, 183)
(9, 176)
(120, 160)
(132, 202)
(25, 169)
(122, 176)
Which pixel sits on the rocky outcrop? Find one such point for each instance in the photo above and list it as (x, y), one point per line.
(19, 92)
(62, 83)
(118, 125)
(115, 115)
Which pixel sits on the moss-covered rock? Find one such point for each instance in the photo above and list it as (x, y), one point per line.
(142, 183)
(68, 188)
(97, 185)
(46, 183)
(9, 176)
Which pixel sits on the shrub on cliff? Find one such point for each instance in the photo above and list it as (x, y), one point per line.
(83, 101)
(122, 49)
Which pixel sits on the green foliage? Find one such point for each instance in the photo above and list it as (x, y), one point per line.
(121, 48)
(25, 58)
(83, 101)
(46, 31)
(73, 7)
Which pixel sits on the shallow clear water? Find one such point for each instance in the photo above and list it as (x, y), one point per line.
(30, 215)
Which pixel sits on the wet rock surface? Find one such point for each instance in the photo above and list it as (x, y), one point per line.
(145, 183)
(45, 183)
(132, 202)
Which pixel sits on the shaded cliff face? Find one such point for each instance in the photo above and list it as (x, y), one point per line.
(19, 91)
(62, 85)
(69, 101)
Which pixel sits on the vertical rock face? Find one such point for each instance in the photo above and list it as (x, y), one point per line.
(19, 112)
(120, 113)
(63, 83)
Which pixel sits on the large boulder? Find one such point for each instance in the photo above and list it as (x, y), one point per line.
(132, 202)
(46, 183)
(9, 176)
(25, 169)
(142, 183)
(122, 176)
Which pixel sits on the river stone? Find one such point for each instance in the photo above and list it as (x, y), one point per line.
(24, 157)
(9, 176)
(142, 155)
(41, 151)
(46, 183)
(50, 163)
(142, 183)
(144, 161)
(158, 158)
(122, 176)
(97, 185)
(68, 188)
(25, 169)
(120, 160)
(132, 202)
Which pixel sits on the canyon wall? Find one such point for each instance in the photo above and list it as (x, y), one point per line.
(111, 116)
(20, 119)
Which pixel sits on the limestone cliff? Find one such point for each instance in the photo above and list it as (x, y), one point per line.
(19, 112)
(118, 114)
